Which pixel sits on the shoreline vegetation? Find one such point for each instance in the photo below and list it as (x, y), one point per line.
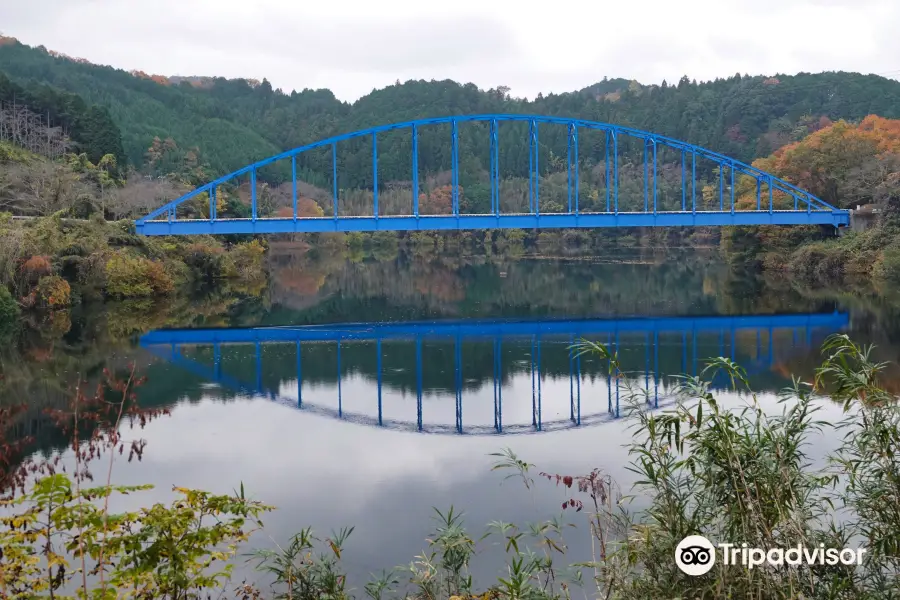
(739, 474)
(49, 266)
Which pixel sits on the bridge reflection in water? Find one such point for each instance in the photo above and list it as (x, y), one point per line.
(322, 354)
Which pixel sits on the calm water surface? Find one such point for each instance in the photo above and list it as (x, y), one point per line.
(365, 393)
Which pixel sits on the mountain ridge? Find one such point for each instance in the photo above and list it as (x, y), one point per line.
(230, 123)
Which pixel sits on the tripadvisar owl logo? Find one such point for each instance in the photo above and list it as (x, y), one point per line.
(695, 555)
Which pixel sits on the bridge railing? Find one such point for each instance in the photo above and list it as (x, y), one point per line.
(802, 200)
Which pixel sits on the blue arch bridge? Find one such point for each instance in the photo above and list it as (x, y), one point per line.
(652, 351)
(776, 201)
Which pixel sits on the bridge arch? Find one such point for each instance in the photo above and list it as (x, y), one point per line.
(544, 350)
(807, 209)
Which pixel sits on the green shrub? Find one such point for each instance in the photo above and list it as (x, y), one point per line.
(90, 270)
(10, 153)
(125, 239)
(548, 239)
(245, 260)
(356, 239)
(384, 238)
(126, 226)
(179, 550)
(627, 241)
(136, 277)
(819, 261)
(206, 263)
(179, 272)
(75, 249)
(9, 313)
(888, 266)
(576, 237)
(513, 235)
(422, 240)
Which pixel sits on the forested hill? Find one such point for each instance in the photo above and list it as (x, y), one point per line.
(236, 122)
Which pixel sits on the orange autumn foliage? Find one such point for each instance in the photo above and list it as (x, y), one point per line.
(438, 201)
(306, 207)
(885, 131)
(160, 79)
(36, 266)
(820, 161)
(53, 291)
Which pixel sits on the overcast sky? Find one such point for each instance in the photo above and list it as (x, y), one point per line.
(353, 46)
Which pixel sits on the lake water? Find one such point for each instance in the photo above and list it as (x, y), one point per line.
(365, 392)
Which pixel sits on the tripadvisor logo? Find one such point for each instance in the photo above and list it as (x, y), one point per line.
(695, 555)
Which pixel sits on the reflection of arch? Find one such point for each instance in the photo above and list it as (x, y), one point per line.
(807, 209)
(168, 344)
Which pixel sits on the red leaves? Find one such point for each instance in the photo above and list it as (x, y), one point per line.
(596, 484)
(137, 449)
(573, 503)
(91, 421)
(566, 480)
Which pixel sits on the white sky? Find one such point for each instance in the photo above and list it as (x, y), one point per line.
(354, 46)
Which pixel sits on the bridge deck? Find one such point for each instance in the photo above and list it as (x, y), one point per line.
(835, 218)
(482, 328)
